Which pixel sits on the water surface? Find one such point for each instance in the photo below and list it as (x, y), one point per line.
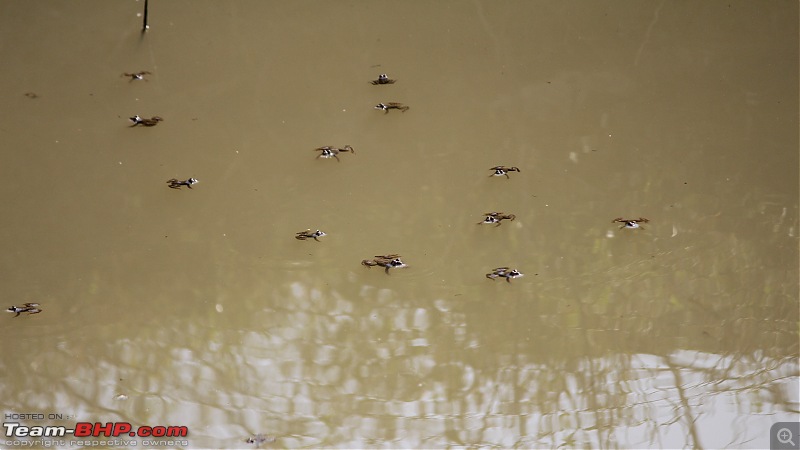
(198, 308)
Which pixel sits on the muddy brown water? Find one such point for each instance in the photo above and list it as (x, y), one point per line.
(197, 307)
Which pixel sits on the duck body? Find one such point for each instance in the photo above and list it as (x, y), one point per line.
(504, 272)
(392, 105)
(333, 152)
(630, 223)
(30, 308)
(308, 234)
(502, 171)
(391, 261)
(383, 79)
(175, 183)
(151, 122)
(496, 218)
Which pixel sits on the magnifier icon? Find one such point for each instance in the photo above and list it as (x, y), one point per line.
(785, 436)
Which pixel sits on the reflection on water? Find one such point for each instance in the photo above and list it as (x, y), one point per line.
(199, 308)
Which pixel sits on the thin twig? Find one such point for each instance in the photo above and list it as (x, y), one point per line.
(145, 26)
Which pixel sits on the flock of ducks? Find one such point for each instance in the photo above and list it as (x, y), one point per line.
(388, 262)
(393, 261)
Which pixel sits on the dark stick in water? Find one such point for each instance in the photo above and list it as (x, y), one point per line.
(145, 26)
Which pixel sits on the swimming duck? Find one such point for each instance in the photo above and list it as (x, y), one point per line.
(30, 308)
(392, 105)
(630, 223)
(136, 75)
(333, 152)
(151, 122)
(174, 183)
(496, 218)
(500, 171)
(386, 261)
(383, 79)
(504, 272)
(303, 235)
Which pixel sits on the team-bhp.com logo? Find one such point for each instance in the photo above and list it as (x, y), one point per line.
(97, 429)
